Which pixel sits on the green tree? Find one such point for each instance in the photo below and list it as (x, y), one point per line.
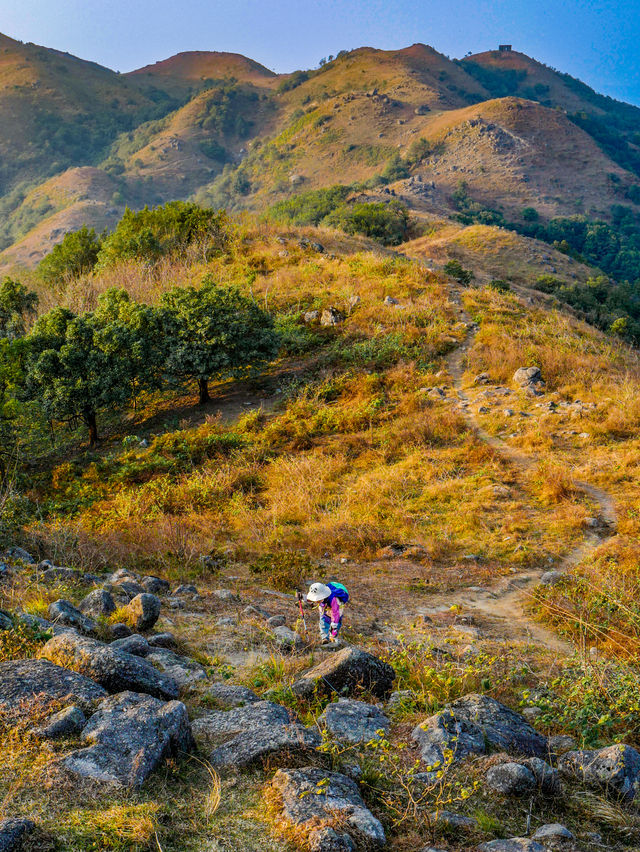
(456, 270)
(75, 255)
(17, 305)
(80, 366)
(215, 332)
(386, 223)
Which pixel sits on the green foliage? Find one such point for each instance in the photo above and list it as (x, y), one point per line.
(214, 150)
(500, 82)
(456, 270)
(148, 234)
(292, 81)
(17, 305)
(500, 285)
(215, 332)
(395, 169)
(310, 208)
(75, 255)
(418, 151)
(385, 223)
(530, 214)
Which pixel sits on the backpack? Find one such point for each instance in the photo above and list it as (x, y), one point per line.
(339, 591)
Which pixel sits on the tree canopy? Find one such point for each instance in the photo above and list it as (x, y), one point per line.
(75, 255)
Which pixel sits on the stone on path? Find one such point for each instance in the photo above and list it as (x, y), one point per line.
(115, 670)
(312, 795)
(24, 683)
(288, 640)
(128, 737)
(346, 672)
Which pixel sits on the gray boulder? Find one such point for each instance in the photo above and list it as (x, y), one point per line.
(226, 595)
(470, 724)
(25, 682)
(329, 840)
(551, 578)
(288, 640)
(346, 672)
(13, 832)
(184, 589)
(253, 732)
(524, 376)
(615, 768)
(515, 844)
(312, 795)
(21, 554)
(128, 737)
(120, 630)
(353, 721)
(276, 621)
(65, 613)
(115, 670)
(553, 831)
(511, 779)
(126, 589)
(331, 316)
(144, 610)
(6, 622)
(547, 778)
(98, 602)
(162, 640)
(231, 695)
(66, 723)
(155, 585)
(560, 743)
(183, 670)
(134, 644)
(449, 820)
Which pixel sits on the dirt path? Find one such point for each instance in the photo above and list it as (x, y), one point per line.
(504, 603)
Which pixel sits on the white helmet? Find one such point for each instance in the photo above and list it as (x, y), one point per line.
(318, 592)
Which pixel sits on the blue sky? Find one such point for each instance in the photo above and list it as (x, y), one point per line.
(595, 41)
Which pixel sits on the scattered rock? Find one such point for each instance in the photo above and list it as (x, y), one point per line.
(162, 640)
(510, 779)
(155, 585)
(24, 682)
(551, 578)
(310, 795)
(134, 644)
(481, 379)
(311, 316)
(120, 630)
(547, 778)
(115, 670)
(258, 729)
(21, 554)
(226, 595)
(470, 724)
(13, 832)
(98, 602)
(128, 737)
(389, 300)
(144, 610)
(527, 376)
(183, 670)
(353, 721)
(515, 844)
(65, 613)
(288, 640)
(328, 840)
(345, 672)
(184, 589)
(560, 743)
(232, 695)
(127, 589)
(331, 316)
(6, 622)
(615, 768)
(531, 713)
(553, 831)
(447, 819)
(276, 621)
(66, 723)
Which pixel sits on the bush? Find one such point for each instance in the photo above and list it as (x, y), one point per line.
(310, 208)
(284, 570)
(75, 255)
(385, 223)
(456, 270)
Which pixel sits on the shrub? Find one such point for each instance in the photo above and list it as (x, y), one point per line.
(456, 270)
(76, 255)
(386, 223)
(283, 570)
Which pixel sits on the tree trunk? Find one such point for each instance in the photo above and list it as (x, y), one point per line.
(90, 420)
(203, 391)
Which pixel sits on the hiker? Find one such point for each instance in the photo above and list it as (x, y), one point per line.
(331, 599)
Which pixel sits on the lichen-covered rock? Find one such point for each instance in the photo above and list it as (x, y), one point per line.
(547, 777)
(98, 602)
(449, 820)
(615, 768)
(524, 376)
(115, 670)
(253, 732)
(13, 832)
(353, 721)
(346, 672)
(65, 613)
(553, 831)
(329, 840)
(65, 723)
(155, 585)
(134, 644)
(470, 724)
(514, 844)
(128, 737)
(144, 611)
(162, 640)
(231, 695)
(183, 670)
(288, 640)
(311, 795)
(25, 682)
(510, 779)
(331, 316)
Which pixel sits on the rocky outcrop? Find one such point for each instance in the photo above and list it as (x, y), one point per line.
(65, 723)
(310, 796)
(253, 732)
(98, 602)
(65, 613)
(24, 683)
(353, 722)
(230, 695)
(128, 737)
(115, 670)
(345, 673)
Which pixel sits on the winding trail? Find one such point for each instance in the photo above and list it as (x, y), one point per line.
(505, 601)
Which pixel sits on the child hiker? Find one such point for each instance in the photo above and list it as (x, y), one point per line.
(331, 599)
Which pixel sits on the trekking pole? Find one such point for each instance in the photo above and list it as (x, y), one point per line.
(304, 620)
